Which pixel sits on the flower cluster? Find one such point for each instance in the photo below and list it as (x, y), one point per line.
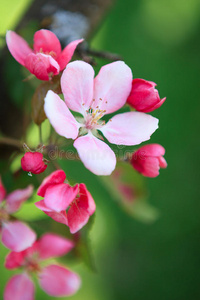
(90, 116)
(55, 280)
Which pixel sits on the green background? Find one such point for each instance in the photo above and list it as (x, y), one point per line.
(160, 41)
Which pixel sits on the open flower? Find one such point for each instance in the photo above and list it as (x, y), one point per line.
(143, 96)
(54, 279)
(33, 162)
(60, 196)
(93, 99)
(148, 160)
(16, 235)
(47, 58)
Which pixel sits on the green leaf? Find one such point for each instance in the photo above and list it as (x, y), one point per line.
(126, 187)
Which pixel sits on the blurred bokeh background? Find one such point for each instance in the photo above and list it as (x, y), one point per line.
(160, 41)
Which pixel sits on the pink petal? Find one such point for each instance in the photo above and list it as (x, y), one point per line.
(58, 197)
(147, 166)
(130, 128)
(151, 150)
(42, 66)
(52, 245)
(80, 211)
(112, 86)
(95, 155)
(157, 105)
(16, 198)
(17, 46)
(58, 281)
(162, 162)
(46, 41)
(17, 236)
(14, 260)
(19, 287)
(60, 117)
(67, 53)
(77, 86)
(2, 191)
(60, 217)
(55, 177)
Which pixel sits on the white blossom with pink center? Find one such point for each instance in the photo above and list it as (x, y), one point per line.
(93, 98)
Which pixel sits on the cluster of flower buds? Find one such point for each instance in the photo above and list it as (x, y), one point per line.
(92, 98)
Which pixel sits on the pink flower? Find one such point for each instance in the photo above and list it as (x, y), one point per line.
(93, 98)
(149, 159)
(33, 162)
(16, 235)
(144, 97)
(46, 59)
(60, 196)
(55, 280)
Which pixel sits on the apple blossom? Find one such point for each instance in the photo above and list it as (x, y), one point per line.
(148, 159)
(46, 59)
(54, 279)
(33, 162)
(60, 196)
(15, 234)
(94, 98)
(143, 96)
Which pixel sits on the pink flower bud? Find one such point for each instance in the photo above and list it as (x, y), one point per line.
(143, 96)
(149, 159)
(33, 162)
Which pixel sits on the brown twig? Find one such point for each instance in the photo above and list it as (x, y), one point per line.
(11, 142)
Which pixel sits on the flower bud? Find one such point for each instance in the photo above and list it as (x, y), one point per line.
(148, 159)
(33, 162)
(143, 96)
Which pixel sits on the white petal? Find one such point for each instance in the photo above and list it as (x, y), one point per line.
(130, 128)
(60, 117)
(112, 86)
(77, 86)
(95, 155)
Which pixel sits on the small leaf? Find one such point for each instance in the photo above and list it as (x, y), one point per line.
(83, 245)
(37, 103)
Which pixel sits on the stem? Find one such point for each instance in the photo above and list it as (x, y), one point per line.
(11, 142)
(40, 134)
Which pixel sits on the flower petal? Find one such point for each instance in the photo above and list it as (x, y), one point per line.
(58, 281)
(60, 117)
(147, 166)
(58, 197)
(60, 217)
(80, 211)
(112, 86)
(14, 260)
(130, 128)
(2, 191)
(151, 150)
(16, 198)
(17, 236)
(67, 53)
(42, 66)
(55, 177)
(95, 155)
(17, 46)
(19, 287)
(77, 86)
(46, 41)
(52, 245)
